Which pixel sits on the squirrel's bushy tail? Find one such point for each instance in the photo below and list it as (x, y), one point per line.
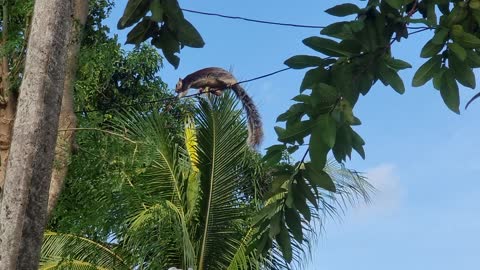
(255, 130)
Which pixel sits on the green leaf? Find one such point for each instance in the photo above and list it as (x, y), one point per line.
(302, 187)
(283, 240)
(343, 10)
(426, 71)
(473, 59)
(462, 72)
(343, 143)
(437, 78)
(390, 77)
(397, 63)
(337, 30)
(298, 131)
(456, 15)
(157, 10)
(431, 15)
(300, 203)
(474, 4)
(274, 154)
(356, 26)
(173, 12)
(440, 36)
(396, 4)
(320, 178)
(134, 11)
(449, 91)
(458, 50)
(318, 147)
(325, 46)
(329, 128)
(275, 225)
(312, 77)
(296, 111)
(294, 222)
(188, 35)
(342, 80)
(350, 45)
(358, 143)
(141, 32)
(304, 61)
(169, 45)
(430, 49)
(323, 94)
(302, 98)
(467, 40)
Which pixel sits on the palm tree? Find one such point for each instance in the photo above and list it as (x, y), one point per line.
(192, 199)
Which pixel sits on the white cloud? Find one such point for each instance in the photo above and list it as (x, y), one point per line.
(387, 196)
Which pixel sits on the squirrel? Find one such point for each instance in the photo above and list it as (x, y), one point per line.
(215, 80)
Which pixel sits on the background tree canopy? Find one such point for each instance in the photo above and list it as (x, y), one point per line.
(147, 164)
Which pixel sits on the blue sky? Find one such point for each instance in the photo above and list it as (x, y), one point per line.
(423, 159)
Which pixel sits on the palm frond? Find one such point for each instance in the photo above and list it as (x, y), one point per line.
(161, 186)
(221, 146)
(66, 251)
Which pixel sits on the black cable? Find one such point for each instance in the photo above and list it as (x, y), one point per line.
(274, 23)
(263, 76)
(177, 98)
(253, 20)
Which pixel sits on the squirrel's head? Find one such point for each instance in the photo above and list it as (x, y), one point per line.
(178, 87)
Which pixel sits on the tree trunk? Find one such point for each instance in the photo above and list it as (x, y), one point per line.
(68, 119)
(24, 203)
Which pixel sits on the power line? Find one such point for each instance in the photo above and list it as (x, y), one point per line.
(263, 76)
(253, 20)
(275, 23)
(178, 98)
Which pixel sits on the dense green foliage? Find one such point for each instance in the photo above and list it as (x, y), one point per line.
(134, 197)
(15, 43)
(159, 202)
(354, 55)
(108, 79)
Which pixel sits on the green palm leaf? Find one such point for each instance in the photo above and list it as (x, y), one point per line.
(66, 251)
(161, 187)
(221, 146)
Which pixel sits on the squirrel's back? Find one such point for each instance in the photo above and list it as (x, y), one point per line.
(212, 77)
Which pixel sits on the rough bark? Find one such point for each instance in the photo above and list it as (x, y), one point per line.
(68, 120)
(24, 203)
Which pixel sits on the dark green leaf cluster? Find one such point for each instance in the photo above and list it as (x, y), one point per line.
(299, 196)
(453, 51)
(164, 23)
(354, 55)
(14, 44)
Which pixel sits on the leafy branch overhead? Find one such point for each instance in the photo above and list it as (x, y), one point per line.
(353, 55)
(356, 53)
(164, 23)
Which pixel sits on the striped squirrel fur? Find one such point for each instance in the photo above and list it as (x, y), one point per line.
(215, 80)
